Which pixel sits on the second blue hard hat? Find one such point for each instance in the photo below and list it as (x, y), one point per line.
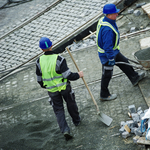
(45, 43)
(110, 9)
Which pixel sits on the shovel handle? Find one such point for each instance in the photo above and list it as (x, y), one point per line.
(124, 63)
(84, 81)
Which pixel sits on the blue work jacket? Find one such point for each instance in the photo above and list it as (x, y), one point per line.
(106, 40)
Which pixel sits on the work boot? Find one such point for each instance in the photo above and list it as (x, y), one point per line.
(140, 77)
(77, 124)
(67, 136)
(109, 98)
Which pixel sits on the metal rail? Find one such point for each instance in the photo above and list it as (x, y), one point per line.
(75, 32)
(31, 19)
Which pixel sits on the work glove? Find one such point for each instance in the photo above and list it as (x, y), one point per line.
(111, 62)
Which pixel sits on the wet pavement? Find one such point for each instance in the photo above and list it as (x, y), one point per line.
(27, 120)
(25, 110)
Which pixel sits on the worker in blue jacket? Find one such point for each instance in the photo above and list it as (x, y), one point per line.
(107, 37)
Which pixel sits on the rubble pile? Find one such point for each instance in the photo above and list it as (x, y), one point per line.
(136, 125)
(82, 43)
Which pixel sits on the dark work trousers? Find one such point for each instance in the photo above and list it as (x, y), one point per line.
(57, 104)
(107, 72)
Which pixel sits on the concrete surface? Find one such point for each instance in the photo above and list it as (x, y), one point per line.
(27, 120)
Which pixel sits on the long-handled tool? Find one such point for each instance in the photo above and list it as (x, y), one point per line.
(124, 63)
(104, 118)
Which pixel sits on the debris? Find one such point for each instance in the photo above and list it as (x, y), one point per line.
(87, 41)
(138, 132)
(142, 140)
(139, 108)
(135, 117)
(132, 109)
(137, 12)
(115, 134)
(140, 4)
(127, 128)
(132, 29)
(139, 112)
(125, 134)
(130, 11)
(122, 123)
(136, 138)
(129, 115)
(144, 43)
(133, 126)
(130, 123)
(112, 127)
(121, 130)
(141, 115)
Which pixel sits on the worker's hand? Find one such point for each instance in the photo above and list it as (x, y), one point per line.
(111, 62)
(80, 74)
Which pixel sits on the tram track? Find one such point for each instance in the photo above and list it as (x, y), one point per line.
(31, 30)
(29, 63)
(30, 19)
(78, 33)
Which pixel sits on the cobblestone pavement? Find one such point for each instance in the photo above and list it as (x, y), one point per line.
(57, 23)
(27, 120)
(14, 14)
(25, 109)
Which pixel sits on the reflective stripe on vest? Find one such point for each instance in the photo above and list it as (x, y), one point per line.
(54, 82)
(102, 23)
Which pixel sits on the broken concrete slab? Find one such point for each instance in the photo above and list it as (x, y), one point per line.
(138, 132)
(125, 134)
(136, 138)
(137, 12)
(132, 109)
(146, 9)
(143, 141)
(145, 43)
(135, 117)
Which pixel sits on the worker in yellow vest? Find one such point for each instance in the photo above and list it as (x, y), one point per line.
(107, 37)
(53, 74)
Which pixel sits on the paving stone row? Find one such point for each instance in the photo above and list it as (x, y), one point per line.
(17, 14)
(22, 86)
(57, 23)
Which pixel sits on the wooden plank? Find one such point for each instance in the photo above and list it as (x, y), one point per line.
(143, 141)
(145, 6)
(144, 43)
(127, 128)
(146, 9)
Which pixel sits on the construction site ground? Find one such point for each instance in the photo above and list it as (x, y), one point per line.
(28, 122)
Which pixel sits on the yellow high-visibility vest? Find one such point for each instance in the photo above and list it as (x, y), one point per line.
(54, 82)
(103, 23)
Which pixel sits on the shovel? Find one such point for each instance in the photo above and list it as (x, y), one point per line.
(104, 118)
(124, 63)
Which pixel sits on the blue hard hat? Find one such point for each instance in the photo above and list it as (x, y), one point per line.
(45, 43)
(110, 9)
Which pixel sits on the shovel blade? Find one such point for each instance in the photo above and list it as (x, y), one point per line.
(105, 119)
